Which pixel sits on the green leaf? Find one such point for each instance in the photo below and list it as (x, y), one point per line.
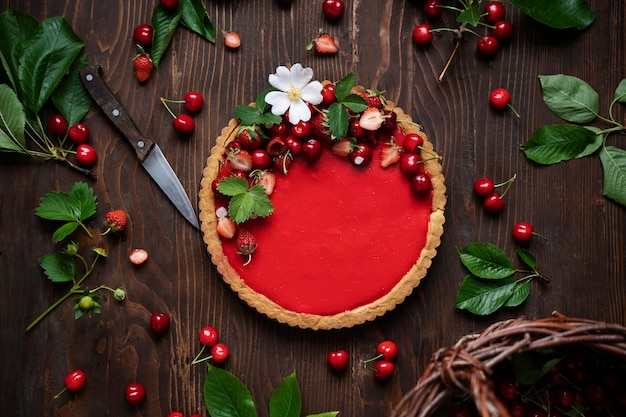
(47, 56)
(531, 365)
(521, 291)
(83, 199)
(614, 168)
(196, 18)
(559, 14)
(12, 122)
(58, 267)
(164, 24)
(232, 186)
(620, 92)
(570, 98)
(258, 114)
(338, 120)
(70, 97)
(325, 414)
(592, 147)
(343, 87)
(64, 231)
(286, 401)
(253, 202)
(486, 260)
(15, 27)
(527, 257)
(483, 297)
(226, 396)
(355, 102)
(76, 205)
(470, 15)
(551, 144)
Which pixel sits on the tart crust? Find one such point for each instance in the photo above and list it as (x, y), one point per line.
(346, 319)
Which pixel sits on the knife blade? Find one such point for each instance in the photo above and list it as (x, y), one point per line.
(148, 152)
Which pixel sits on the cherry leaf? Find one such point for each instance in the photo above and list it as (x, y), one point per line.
(527, 257)
(286, 401)
(592, 147)
(70, 97)
(15, 28)
(620, 92)
(559, 14)
(486, 260)
(196, 18)
(164, 24)
(614, 169)
(483, 296)
(552, 144)
(570, 98)
(521, 291)
(226, 396)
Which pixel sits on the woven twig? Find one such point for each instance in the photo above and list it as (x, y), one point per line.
(466, 368)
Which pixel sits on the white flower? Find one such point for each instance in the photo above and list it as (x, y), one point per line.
(296, 90)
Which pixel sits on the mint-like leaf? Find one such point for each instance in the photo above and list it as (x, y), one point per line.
(486, 260)
(483, 296)
(225, 395)
(570, 98)
(286, 401)
(58, 267)
(552, 144)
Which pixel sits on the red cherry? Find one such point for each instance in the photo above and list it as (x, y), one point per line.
(384, 369)
(422, 34)
(184, 124)
(356, 130)
(522, 231)
(135, 393)
(302, 130)
(312, 150)
(421, 184)
(261, 159)
(175, 414)
(499, 98)
(484, 187)
(75, 380)
(142, 35)
(208, 336)
(86, 155)
(328, 94)
(169, 4)
(412, 143)
(388, 349)
(278, 129)
(57, 125)
(194, 101)
(79, 133)
(495, 11)
(502, 30)
(410, 164)
(333, 9)
(487, 45)
(159, 322)
(338, 360)
(507, 387)
(220, 353)
(277, 146)
(431, 9)
(493, 203)
(361, 155)
(295, 146)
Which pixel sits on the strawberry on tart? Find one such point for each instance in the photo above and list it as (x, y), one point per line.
(322, 204)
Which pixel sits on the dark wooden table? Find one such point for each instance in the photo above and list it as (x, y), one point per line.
(584, 255)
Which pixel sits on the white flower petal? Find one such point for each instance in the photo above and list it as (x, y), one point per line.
(279, 101)
(312, 92)
(300, 76)
(299, 111)
(281, 79)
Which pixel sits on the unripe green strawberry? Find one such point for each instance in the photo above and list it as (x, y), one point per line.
(246, 244)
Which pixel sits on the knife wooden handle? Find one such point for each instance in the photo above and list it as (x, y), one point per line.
(103, 96)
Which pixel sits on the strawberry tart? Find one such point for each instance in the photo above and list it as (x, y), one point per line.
(322, 204)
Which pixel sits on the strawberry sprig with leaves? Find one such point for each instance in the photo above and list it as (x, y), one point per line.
(257, 114)
(490, 284)
(338, 115)
(246, 201)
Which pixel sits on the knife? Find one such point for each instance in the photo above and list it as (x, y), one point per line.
(148, 152)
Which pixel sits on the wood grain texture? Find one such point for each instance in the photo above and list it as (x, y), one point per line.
(584, 255)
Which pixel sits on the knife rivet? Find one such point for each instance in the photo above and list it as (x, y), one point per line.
(140, 144)
(115, 112)
(89, 77)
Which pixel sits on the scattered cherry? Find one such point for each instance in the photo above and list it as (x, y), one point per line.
(194, 101)
(502, 30)
(494, 203)
(159, 322)
(57, 125)
(338, 360)
(388, 350)
(175, 414)
(333, 9)
(169, 4)
(184, 124)
(431, 9)
(495, 11)
(484, 187)
(220, 352)
(135, 393)
(500, 98)
(487, 46)
(422, 34)
(208, 336)
(74, 381)
(86, 155)
(142, 35)
(79, 133)
(384, 369)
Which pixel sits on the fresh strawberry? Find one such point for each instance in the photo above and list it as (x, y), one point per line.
(240, 160)
(283, 162)
(342, 148)
(371, 119)
(249, 138)
(374, 98)
(143, 66)
(115, 221)
(321, 130)
(225, 226)
(389, 155)
(323, 44)
(246, 244)
(267, 179)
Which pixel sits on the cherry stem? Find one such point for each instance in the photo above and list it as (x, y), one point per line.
(514, 111)
(164, 101)
(457, 44)
(367, 361)
(197, 359)
(58, 394)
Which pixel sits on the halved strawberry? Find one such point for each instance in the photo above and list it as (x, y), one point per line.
(371, 119)
(342, 148)
(323, 44)
(267, 179)
(225, 226)
(389, 155)
(240, 160)
(138, 256)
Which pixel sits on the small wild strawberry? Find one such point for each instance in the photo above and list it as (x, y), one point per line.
(231, 39)
(374, 98)
(143, 66)
(246, 244)
(115, 221)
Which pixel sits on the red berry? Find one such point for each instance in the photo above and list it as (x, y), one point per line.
(522, 231)
(302, 130)
(86, 155)
(295, 146)
(79, 133)
(143, 65)
(312, 150)
(495, 11)
(361, 155)
(261, 159)
(502, 30)
(194, 101)
(175, 414)
(208, 336)
(410, 164)
(169, 4)
(135, 393)
(57, 125)
(338, 360)
(484, 186)
(493, 203)
(278, 129)
(421, 184)
(422, 34)
(115, 221)
(231, 39)
(333, 9)
(75, 380)
(388, 349)
(412, 143)
(487, 45)
(356, 129)
(184, 124)
(328, 94)
(507, 387)
(276, 146)
(138, 256)
(384, 369)
(142, 35)
(499, 98)
(159, 322)
(220, 353)
(431, 9)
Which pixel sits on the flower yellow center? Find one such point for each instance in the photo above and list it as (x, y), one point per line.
(294, 93)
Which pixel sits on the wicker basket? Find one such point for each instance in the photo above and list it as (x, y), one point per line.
(466, 368)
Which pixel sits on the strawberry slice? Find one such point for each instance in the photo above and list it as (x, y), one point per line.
(371, 119)
(138, 256)
(268, 180)
(389, 155)
(323, 44)
(342, 148)
(225, 226)
(240, 160)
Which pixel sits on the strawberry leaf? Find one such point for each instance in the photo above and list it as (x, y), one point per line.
(355, 102)
(486, 260)
(343, 87)
(258, 114)
(226, 396)
(12, 122)
(338, 120)
(196, 18)
(484, 296)
(58, 267)
(232, 186)
(470, 15)
(286, 401)
(245, 202)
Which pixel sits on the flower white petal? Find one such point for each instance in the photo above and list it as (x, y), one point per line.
(299, 111)
(300, 76)
(281, 79)
(279, 101)
(312, 92)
